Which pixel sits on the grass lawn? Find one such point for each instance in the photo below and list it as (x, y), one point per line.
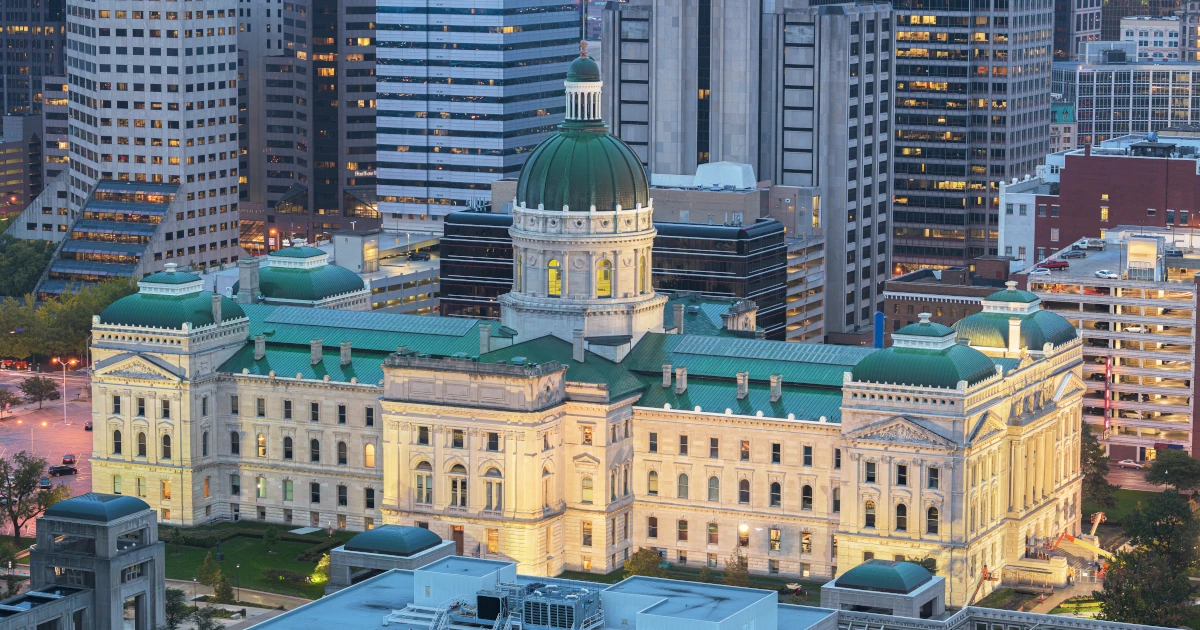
(1005, 599)
(812, 589)
(1077, 605)
(1126, 501)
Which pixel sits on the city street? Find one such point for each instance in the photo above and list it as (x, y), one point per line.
(1130, 479)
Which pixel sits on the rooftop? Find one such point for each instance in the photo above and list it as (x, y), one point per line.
(1181, 270)
(696, 601)
(97, 507)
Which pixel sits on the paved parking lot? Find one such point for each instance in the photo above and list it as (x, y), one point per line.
(51, 437)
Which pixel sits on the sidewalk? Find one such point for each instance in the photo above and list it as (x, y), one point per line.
(1061, 595)
(266, 600)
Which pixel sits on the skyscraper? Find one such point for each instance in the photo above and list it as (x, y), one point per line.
(466, 93)
(32, 33)
(802, 92)
(972, 109)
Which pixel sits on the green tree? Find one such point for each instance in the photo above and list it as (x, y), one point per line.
(645, 561)
(177, 609)
(20, 499)
(7, 399)
(39, 389)
(8, 557)
(1139, 588)
(320, 575)
(209, 572)
(706, 575)
(737, 570)
(22, 263)
(271, 538)
(1166, 525)
(203, 619)
(1094, 464)
(223, 592)
(1175, 468)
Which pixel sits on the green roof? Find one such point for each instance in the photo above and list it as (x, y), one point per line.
(926, 329)
(289, 360)
(715, 396)
(581, 166)
(924, 367)
(990, 329)
(703, 319)
(93, 506)
(595, 369)
(1012, 295)
(365, 330)
(394, 540)
(309, 285)
(886, 576)
(583, 70)
(171, 277)
(297, 251)
(168, 311)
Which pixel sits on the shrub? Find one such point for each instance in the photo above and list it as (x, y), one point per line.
(291, 577)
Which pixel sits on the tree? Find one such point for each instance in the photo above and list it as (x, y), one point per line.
(38, 389)
(177, 609)
(1094, 464)
(7, 399)
(204, 620)
(320, 575)
(209, 572)
(223, 592)
(645, 561)
(22, 263)
(1166, 526)
(1175, 468)
(706, 575)
(271, 538)
(1140, 589)
(8, 557)
(737, 570)
(20, 499)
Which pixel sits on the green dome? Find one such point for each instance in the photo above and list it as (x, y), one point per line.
(925, 329)
(171, 277)
(97, 507)
(925, 367)
(308, 285)
(885, 576)
(990, 329)
(583, 166)
(1012, 295)
(154, 310)
(583, 70)
(297, 251)
(394, 540)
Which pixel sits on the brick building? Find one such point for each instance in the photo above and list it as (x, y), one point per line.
(948, 295)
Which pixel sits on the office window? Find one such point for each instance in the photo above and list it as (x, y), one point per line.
(261, 488)
(713, 534)
(116, 442)
(869, 515)
(287, 410)
(585, 436)
(652, 483)
(652, 527)
(774, 541)
(681, 531)
(837, 459)
(743, 537)
(586, 490)
(901, 475)
(166, 447)
(343, 454)
(653, 442)
(235, 443)
(234, 407)
(261, 442)
(368, 456)
(870, 472)
(837, 500)
(744, 491)
(1103, 213)
(166, 408)
(586, 533)
(682, 486)
(776, 453)
(314, 492)
(932, 521)
(493, 442)
(901, 517)
(116, 484)
(493, 541)
(343, 496)
(287, 448)
(808, 456)
(714, 448)
(683, 445)
(744, 451)
(235, 484)
(776, 494)
(933, 477)
(806, 543)
(457, 438)
(260, 407)
(1053, 235)
(806, 498)
(314, 411)
(422, 435)
(141, 444)
(288, 490)
(116, 404)
(314, 451)
(369, 417)
(714, 489)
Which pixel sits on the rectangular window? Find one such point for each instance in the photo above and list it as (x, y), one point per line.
(262, 488)
(314, 411)
(165, 489)
(203, 406)
(652, 527)
(235, 484)
(1053, 235)
(1053, 210)
(369, 419)
(932, 474)
(681, 531)
(808, 456)
(234, 408)
(586, 533)
(343, 496)
(422, 435)
(714, 450)
(314, 492)
(287, 410)
(805, 542)
(369, 498)
(837, 459)
(683, 445)
(1103, 213)
(141, 406)
(653, 442)
(206, 488)
(870, 472)
(1041, 210)
(744, 451)
(166, 409)
(116, 404)
(341, 414)
(901, 475)
(457, 438)
(493, 541)
(288, 490)
(774, 539)
(713, 535)
(585, 436)
(493, 442)
(776, 453)
(260, 407)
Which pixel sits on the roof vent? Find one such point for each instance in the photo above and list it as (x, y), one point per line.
(518, 360)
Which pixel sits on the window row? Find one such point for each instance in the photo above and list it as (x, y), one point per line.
(744, 450)
(164, 444)
(900, 475)
(314, 449)
(458, 484)
(900, 515)
(713, 494)
(261, 491)
(289, 410)
(139, 406)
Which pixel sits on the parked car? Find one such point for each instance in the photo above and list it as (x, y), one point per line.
(1094, 243)
(1108, 274)
(58, 471)
(419, 256)
(44, 483)
(87, 426)
(1174, 253)
(1039, 271)
(1135, 328)
(1129, 463)
(1054, 264)
(69, 460)
(1075, 253)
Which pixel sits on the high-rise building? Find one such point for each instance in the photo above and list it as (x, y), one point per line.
(802, 93)
(1114, 10)
(307, 118)
(466, 94)
(32, 35)
(1075, 21)
(1157, 38)
(965, 122)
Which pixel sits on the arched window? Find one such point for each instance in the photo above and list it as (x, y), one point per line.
(683, 487)
(343, 454)
(613, 484)
(652, 483)
(547, 488)
(261, 444)
(744, 491)
(806, 499)
(901, 518)
(141, 444)
(235, 443)
(869, 515)
(423, 484)
(166, 446)
(204, 444)
(932, 522)
(586, 491)
(494, 488)
(776, 494)
(604, 279)
(116, 447)
(458, 486)
(287, 448)
(369, 456)
(314, 451)
(714, 489)
(554, 278)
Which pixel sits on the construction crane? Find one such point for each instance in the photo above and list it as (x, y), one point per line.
(984, 576)
(1097, 518)
(1096, 549)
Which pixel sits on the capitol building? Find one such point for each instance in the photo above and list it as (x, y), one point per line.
(597, 417)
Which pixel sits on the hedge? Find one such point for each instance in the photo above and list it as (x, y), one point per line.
(209, 539)
(291, 577)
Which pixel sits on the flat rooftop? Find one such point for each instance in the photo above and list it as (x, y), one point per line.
(360, 607)
(1112, 258)
(470, 567)
(692, 600)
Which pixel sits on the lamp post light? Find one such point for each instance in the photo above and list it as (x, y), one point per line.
(238, 575)
(64, 362)
(195, 591)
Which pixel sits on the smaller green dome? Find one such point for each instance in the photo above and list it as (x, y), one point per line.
(583, 70)
(925, 329)
(990, 329)
(297, 251)
(93, 506)
(885, 576)
(170, 276)
(154, 310)
(394, 540)
(1012, 294)
(311, 284)
(925, 367)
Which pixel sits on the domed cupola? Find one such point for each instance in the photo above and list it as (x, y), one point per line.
(171, 300)
(1012, 322)
(301, 275)
(925, 354)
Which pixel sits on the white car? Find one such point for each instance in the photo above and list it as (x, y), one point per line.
(1108, 274)
(1136, 328)
(1039, 271)
(1129, 463)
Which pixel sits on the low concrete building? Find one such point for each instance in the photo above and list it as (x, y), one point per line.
(887, 587)
(382, 549)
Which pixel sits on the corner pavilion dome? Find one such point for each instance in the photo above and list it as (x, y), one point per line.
(394, 540)
(301, 273)
(169, 299)
(583, 165)
(885, 576)
(93, 506)
(989, 328)
(925, 354)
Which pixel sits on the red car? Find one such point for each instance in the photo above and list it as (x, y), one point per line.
(1054, 264)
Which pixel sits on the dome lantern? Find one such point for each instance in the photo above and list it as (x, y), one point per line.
(583, 88)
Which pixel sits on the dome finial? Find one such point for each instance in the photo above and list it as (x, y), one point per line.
(170, 267)
(583, 48)
(1011, 284)
(925, 317)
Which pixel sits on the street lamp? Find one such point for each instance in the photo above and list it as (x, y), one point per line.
(195, 592)
(237, 573)
(64, 363)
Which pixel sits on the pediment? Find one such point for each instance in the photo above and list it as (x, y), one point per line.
(139, 367)
(1068, 386)
(586, 460)
(990, 424)
(900, 430)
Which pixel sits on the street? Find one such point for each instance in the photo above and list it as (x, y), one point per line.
(1130, 479)
(51, 437)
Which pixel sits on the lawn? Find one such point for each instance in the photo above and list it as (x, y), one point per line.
(1005, 599)
(812, 589)
(1077, 605)
(1126, 501)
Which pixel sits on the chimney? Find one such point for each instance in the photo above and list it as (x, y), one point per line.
(577, 345)
(666, 375)
(1014, 335)
(345, 353)
(677, 309)
(776, 387)
(247, 280)
(743, 384)
(680, 380)
(260, 347)
(314, 350)
(485, 338)
(216, 308)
